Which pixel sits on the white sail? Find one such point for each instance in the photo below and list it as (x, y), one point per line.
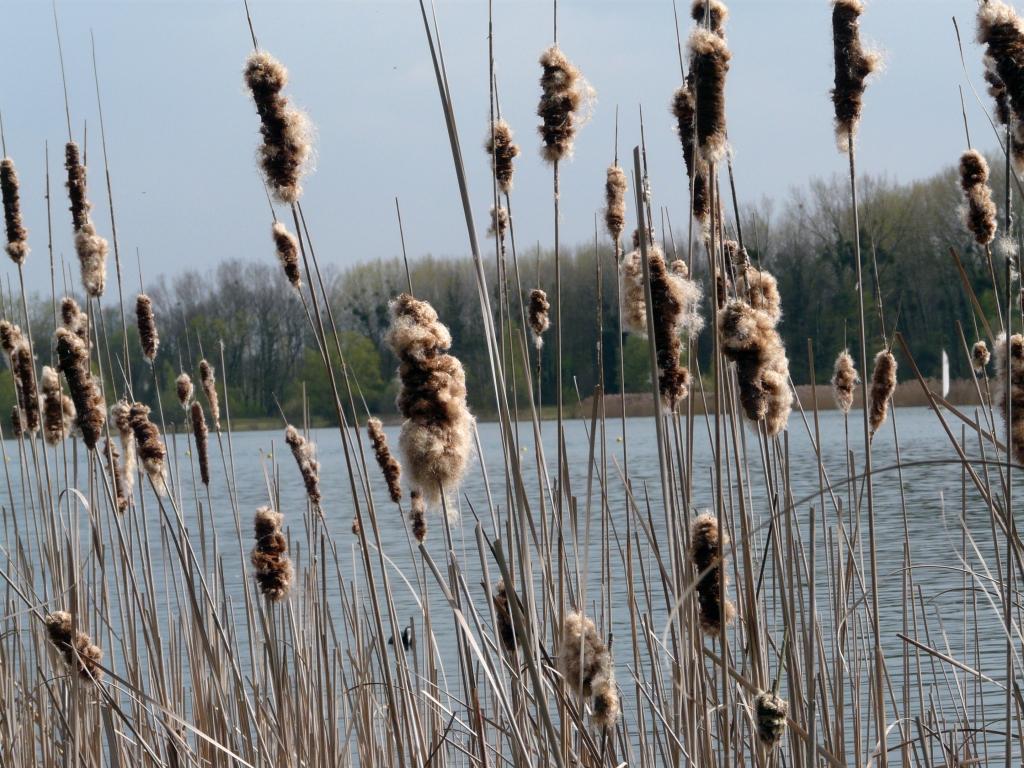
(945, 373)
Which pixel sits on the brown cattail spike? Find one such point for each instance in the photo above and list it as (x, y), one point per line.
(418, 516)
(503, 615)
(270, 555)
(201, 435)
(149, 445)
(437, 432)
(770, 714)
(1012, 358)
(388, 464)
(148, 336)
(883, 384)
(185, 389)
(121, 415)
(73, 362)
(674, 301)
(844, 380)
(113, 459)
(539, 316)
(853, 65)
(58, 409)
(564, 94)
(709, 64)
(287, 246)
(286, 148)
(76, 647)
(17, 422)
(503, 151)
(615, 202)
(499, 222)
(632, 294)
(17, 235)
(208, 378)
(90, 247)
(1001, 31)
(24, 372)
(980, 211)
(707, 551)
(76, 185)
(696, 167)
(586, 665)
(305, 456)
(980, 357)
(710, 12)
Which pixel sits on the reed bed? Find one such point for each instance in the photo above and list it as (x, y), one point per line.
(708, 596)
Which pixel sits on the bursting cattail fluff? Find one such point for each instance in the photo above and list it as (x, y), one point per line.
(58, 409)
(499, 222)
(564, 94)
(539, 317)
(436, 434)
(305, 456)
(770, 714)
(270, 555)
(113, 459)
(631, 293)
(208, 378)
(844, 380)
(586, 665)
(853, 65)
(121, 415)
(287, 246)
(185, 389)
(90, 247)
(615, 202)
(712, 12)
(24, 371)
(670, 295)
(709, 64)
(286, 147)
(503, 615)
(73, 362)
(418, 516)
(1014, 359)
(980, 356)
(17, 422)
(696, 166)
(747, 325)
(503, 151)
(979, 211)
(883, 384)
(1001, 31)
(148, 336)
(77, 648)
(705, 542)
(150, 447)
(17, 235)
(201, 435)
(74, 319)
(388, 464)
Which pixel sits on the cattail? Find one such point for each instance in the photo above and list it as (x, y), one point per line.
(770, 714)
(388, 464)
(980, 356)
(121, 415)
(747, 325)
(287, 246)
(24, 371)
(564, 93)
(705, 542)
(208, 378)
(73, 362)
(286, 146)
(148, 336)
(270, 555)
(503, 615)
(696, 167)
(980, 211)
(201, 435)
(305, 456)
(418, 516)
(76, 184)
(149, 445)
(709, 64)
(1001, 31)
(185, 388)
(58, 408)
(76, 647)
(17, 235)
(669, 298)
(499, 222)
(1016, 393)
(853, 65)
(17, 423)
(436, 435)
(606, 705)
(844, 379)
(615, 202)
(583, 657)
(113, 458)
(90, 247)
(712, 12)
(539, 317)
(631, 293)
(74, 319)
(356, 526)
(503, 151)
(883, 384)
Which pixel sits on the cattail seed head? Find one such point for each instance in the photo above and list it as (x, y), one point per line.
(287, 246)
(113, 458)
(631, 293)
(208, 378)
(503, 151)
(305, 456)
(499, 222)
(539, 317)
(121, 415)
(185, 389)
(76, 647)
(980, 356)
(92, 258)
(583, 657)
(503, 615)
(696, 167)
(980, 210)
(149, 445)
(1011, 356)
(201, 435)
(436, 434)
(270, 558)
(883, 384)
(713, 12)
(844, 380)
(670, 296)
(709, 64)
(853, 65)
(17, 423)
(74, 319)
(286, 147)
(24, 371)
(1001, 31)
(564, 94)
(17, 235)
(770, 714)
(615, 202)
(76, 184)
(73, 362)
(58, 409)
(418, 516)
(388, 464)
(707, 551)
(148, 336)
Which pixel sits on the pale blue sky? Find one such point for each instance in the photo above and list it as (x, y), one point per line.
(182, 132)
